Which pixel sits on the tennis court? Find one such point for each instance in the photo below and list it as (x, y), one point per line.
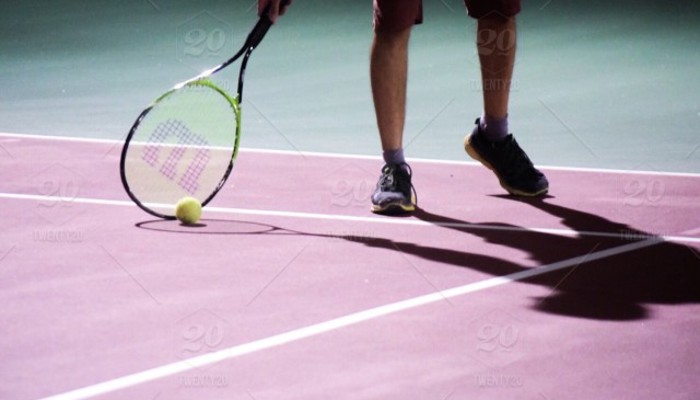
(290, 288)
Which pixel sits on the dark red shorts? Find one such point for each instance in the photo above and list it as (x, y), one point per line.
(397, 15)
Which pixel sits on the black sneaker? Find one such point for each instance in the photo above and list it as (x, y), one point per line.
(508, 161)
(394, 193)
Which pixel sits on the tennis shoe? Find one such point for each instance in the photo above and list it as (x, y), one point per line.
(515, 172)
(394, 193)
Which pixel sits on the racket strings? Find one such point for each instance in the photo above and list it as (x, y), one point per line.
(183, 146)
(174, 128)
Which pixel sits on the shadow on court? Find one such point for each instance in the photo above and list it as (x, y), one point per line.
(613, 288)
(618, 287)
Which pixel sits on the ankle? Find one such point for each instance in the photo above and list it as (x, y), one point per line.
(494, 129)
(394, 156)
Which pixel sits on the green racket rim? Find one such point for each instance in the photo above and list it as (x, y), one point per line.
(235, 105)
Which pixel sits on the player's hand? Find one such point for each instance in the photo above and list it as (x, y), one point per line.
(275, 8)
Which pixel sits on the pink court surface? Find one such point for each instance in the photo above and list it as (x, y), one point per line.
(291, 289)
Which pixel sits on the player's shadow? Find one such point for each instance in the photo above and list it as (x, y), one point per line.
(617, 287)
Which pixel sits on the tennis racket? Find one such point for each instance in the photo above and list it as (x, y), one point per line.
(186, 142)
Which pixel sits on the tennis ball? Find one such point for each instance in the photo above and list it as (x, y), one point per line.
(188, 210)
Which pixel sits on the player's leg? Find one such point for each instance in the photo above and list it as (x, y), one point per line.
(490, 141)
(393, 20)
(388, 75)
(496, 40)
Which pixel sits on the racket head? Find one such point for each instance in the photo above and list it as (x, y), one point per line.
(184, 144)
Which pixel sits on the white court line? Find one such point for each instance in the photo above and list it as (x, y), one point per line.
(362, 157)
(334, 324)
(352, 218)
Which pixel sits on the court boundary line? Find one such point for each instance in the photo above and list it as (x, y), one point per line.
(363, 157)
(376, 220)
(294, 335)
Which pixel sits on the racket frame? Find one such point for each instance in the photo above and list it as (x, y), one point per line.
(252, 41)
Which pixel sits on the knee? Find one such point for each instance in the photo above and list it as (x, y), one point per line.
(392, 37)
(496, 19)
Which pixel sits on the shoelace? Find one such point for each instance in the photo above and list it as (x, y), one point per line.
(517, 162)
(388, 181)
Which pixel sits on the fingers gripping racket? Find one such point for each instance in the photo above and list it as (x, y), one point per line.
(186, 142)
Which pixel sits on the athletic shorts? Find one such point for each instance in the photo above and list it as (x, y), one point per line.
(397, 15)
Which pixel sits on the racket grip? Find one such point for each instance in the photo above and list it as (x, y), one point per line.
(258, 32)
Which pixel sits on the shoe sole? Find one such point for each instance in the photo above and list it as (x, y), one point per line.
(513, 191)
(395, 208)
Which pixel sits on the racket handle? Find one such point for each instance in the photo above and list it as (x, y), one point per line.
(258, 32)
(252, 41)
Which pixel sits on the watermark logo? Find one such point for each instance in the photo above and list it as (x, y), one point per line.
(359, 236)
(642, 190)
(203, 40)
(496, 339)
(200, 333)
(498, 381)
(351, 186)
(203, 381)
(642, 194)
(59, 187)
(496, 39)
(58, 236)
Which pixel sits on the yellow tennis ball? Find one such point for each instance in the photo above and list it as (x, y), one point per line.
(188, 210)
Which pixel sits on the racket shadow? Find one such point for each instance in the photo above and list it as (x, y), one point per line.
(229, 227)
(237, 227)
(207, 227)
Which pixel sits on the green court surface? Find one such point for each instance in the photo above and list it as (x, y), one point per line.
(597, 84)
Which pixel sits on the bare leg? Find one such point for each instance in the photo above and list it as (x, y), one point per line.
(388, 73)
(490, 143)
(496, 42)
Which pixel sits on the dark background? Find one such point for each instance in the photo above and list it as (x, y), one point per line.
(597, 84)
